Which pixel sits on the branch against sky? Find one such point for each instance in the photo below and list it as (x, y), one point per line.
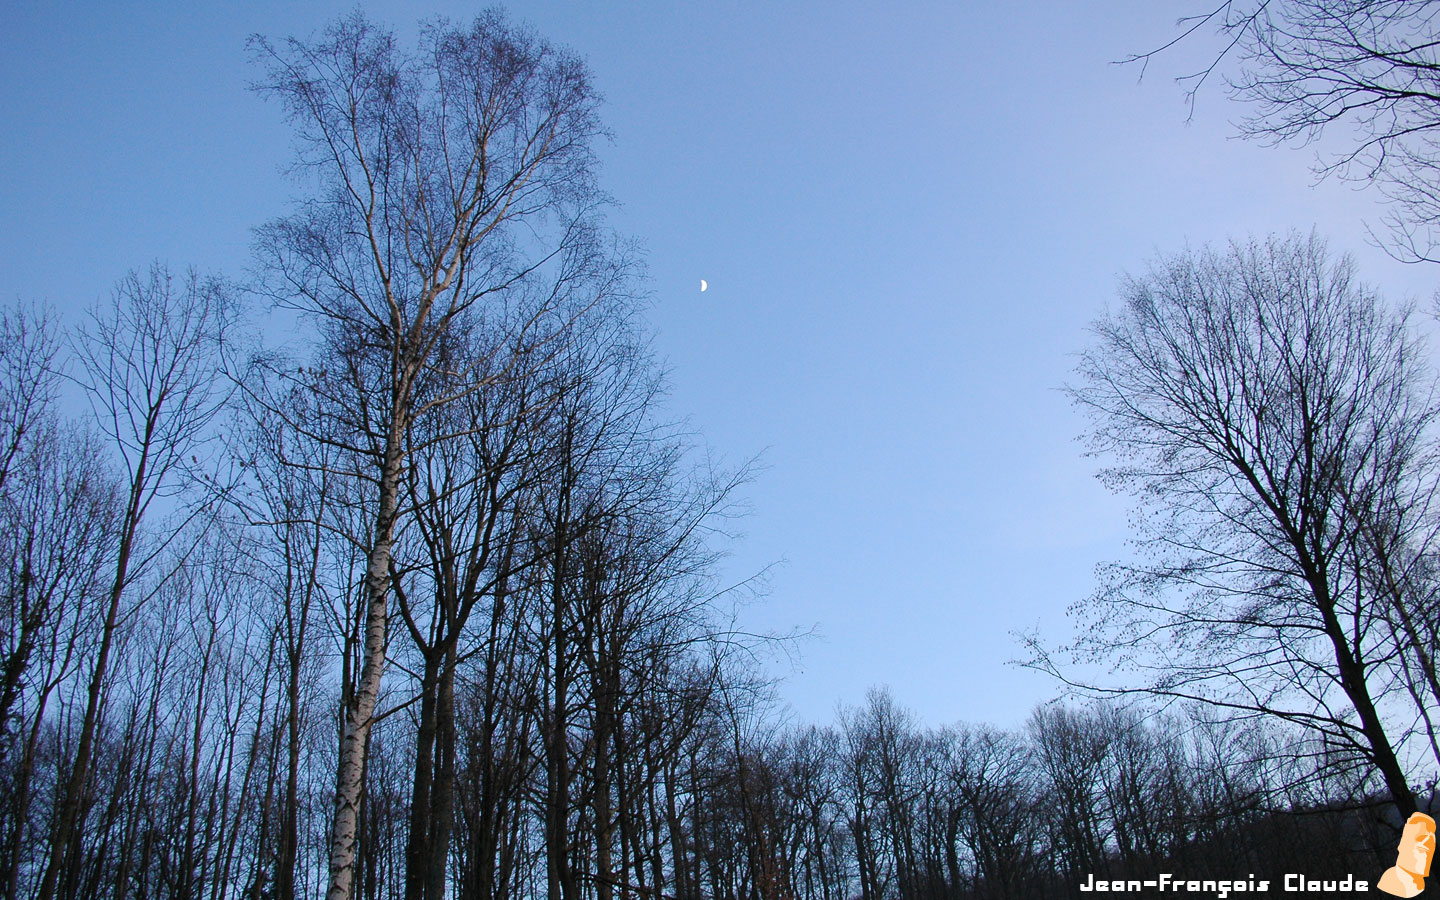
(453, 177)
(1365, 71)
(1245, 397)
(151, 369)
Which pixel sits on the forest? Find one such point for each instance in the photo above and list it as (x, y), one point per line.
(386, 572)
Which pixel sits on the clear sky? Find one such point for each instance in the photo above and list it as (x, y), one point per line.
(907, 214)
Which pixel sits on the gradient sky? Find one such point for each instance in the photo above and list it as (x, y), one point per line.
(907, 215)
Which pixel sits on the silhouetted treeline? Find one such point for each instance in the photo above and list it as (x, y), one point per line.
(420, 599)
(879, 807)
(568, 707)
(567, 713)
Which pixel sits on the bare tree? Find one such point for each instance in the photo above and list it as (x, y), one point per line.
(28, 487)
(1371, 67)
(1245, 396)
(452, 176)
(1071, 749)
(289, 500)
(150, 365)
(59, 522)
(994, 774)
(468, 495)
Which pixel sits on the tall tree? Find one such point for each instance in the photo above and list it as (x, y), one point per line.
(468, 494)
(58, 529)
(151, 366)
(452, 177)
(1245, 396)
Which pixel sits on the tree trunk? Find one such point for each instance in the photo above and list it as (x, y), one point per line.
(442, 802)
(560, 880)
(290, 814)
(1352, 679)
(417, 849)
(349, 778)
(65, 836)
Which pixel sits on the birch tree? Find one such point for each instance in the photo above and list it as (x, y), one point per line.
(451, 176)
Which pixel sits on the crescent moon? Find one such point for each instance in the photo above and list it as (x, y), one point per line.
(703, 285)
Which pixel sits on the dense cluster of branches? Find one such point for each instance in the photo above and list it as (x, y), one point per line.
(1367, 71)
(215, 766)
(393, 610)
(424, 604)
(878, 807)
(1275, 421)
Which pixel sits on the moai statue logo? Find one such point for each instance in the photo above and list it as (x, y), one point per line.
(1417, 846)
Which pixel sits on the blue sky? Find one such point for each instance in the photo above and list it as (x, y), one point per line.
(907, 216)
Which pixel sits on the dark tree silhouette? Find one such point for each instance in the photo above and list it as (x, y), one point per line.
(1246, 396)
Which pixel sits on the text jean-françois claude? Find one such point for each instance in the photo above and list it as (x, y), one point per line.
(1293, 882)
